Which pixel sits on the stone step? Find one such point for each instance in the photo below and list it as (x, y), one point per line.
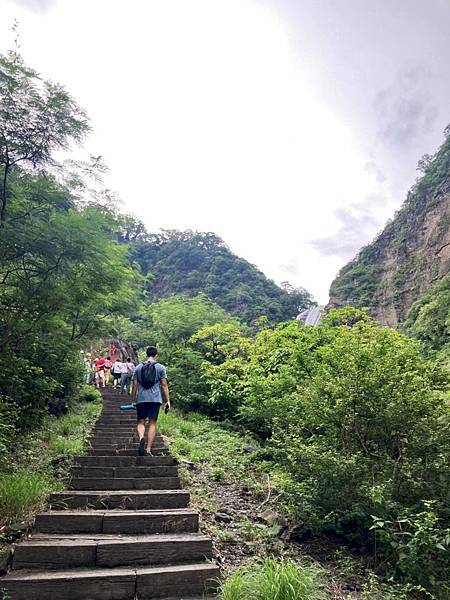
(125, 461)
(119, 420)
(144, 483)
(102, 550)
(117, 521)
(123, 499)
(127, 433)
(124, 452)
(133, 451)
(119, 431)
(124, 472)
(99, 447)
(179, 582)
(130, 442)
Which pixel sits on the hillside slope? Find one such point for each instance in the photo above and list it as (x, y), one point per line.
(186, 262)
(411, 253)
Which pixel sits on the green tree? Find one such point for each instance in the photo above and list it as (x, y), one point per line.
(37, 117)
(429, 318)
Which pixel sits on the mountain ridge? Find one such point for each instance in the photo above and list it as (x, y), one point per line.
(190, 262)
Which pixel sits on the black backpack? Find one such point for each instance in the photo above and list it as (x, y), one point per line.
(148, 375)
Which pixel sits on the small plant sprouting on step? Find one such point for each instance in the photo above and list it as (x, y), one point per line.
(218, 474)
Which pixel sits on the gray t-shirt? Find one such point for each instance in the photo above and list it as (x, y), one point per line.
(153, 394)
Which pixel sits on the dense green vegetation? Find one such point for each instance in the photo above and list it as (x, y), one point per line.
(429, 319)
(354, 416)
(62, 272)
(189, 263)
(358, 282)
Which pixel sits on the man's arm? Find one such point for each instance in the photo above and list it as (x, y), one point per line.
(133, 391)
(165, 393)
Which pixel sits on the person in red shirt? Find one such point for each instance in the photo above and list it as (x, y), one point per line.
(100, 372)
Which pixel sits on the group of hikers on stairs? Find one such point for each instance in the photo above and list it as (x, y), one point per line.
(149, 389)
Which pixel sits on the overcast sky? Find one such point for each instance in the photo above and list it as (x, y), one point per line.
(291, 128)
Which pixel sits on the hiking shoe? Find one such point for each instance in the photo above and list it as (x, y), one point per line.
(148, 454)
(141, 451)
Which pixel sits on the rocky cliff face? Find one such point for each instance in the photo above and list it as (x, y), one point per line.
(411, 253)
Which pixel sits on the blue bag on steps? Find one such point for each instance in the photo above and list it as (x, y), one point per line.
(128, 407)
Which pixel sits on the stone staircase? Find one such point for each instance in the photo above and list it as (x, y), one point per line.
(122, 531)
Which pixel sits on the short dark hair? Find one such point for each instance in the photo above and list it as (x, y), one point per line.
(152, 351)
(128, 359)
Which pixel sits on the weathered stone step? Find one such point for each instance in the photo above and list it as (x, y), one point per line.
(117, 521)
(178, 582)
(125, 432)
(124, 472)
(131, 483)
(116, 421)
(123, 452)
(125, 461)
(133, 451)
(130, 442)
(124, 499)
(112, 435)
(102, 550)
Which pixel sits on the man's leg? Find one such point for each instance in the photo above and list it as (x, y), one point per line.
(141, 428)
(151, 434)
(141, 434)
(123, 380)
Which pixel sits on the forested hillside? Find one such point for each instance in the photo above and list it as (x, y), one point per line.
(410, 255)
(187, 262)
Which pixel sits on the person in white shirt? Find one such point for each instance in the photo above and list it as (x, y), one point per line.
(128, 369)
(117, 373)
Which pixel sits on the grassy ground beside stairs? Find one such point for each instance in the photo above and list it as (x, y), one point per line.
(240, 494)
(40, 464)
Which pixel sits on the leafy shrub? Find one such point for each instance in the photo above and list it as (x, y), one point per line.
(90, 394)
(274, 579)
(418, 546)
(429, 318)
(365, 435)
(27, 388)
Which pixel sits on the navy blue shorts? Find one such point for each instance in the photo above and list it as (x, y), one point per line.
(148, 410)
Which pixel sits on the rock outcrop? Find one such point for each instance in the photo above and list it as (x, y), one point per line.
(410, 254)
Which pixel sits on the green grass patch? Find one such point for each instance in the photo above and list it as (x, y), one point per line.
(23, 492)
(197, 439)
(274, 579)
(60, 445)
(44, 461)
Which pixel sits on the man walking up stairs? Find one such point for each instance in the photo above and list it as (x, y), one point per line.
(122, 531)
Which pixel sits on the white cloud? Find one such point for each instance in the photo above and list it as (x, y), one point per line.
(39, 6)
(205, 114)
